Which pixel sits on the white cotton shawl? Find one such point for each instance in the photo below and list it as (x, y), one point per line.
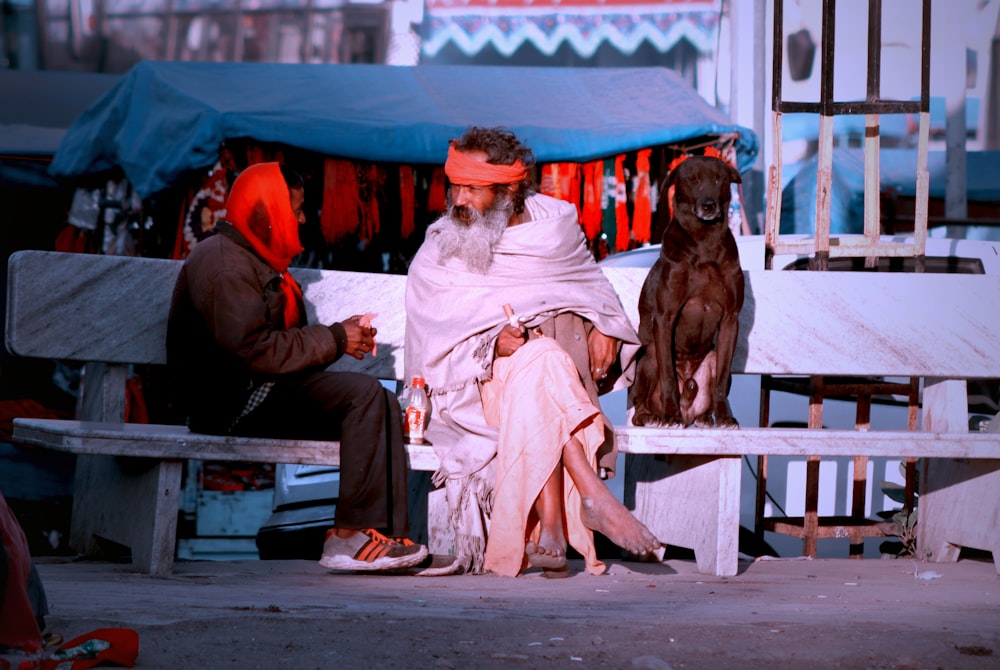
(541, 268)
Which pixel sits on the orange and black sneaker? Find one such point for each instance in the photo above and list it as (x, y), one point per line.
(369, 550)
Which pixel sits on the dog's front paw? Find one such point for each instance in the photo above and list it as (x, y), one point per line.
(727, 422)
(705, 420)
(676, 421)
(655, 421)
(643, 419)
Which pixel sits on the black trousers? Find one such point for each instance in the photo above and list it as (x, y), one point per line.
(357, 410)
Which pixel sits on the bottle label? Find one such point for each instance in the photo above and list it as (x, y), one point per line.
(415, 417)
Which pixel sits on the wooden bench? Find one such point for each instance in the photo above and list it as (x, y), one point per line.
(944, 329)
(110, 312)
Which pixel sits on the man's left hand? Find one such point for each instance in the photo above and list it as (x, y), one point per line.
(603, 352)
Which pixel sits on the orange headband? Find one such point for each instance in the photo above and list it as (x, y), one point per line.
(461, 169)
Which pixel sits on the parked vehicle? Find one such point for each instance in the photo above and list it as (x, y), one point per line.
(304, 508)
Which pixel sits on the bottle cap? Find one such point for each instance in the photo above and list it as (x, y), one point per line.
(418, 381)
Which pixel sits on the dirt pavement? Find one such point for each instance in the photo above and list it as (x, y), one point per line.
(828, 613)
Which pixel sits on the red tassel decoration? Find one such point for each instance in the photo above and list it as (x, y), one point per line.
(549, 184)
(255, 154)
(573, 187)
(340, 214)
(370, 222)
(436, 201)
(407, 192)
(562, 181)
(593, 185)
(642, 214)
(621, 206)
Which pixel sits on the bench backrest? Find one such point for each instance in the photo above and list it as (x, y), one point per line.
(113, 309)
(859, 323)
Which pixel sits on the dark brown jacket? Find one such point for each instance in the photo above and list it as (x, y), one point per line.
(226, 334)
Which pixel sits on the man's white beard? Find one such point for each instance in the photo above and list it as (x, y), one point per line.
(475, 242)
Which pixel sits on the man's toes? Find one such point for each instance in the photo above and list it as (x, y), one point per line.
(540, 557)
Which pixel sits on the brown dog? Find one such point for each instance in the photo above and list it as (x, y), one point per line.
(690, 304)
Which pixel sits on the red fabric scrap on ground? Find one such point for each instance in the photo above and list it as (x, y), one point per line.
(115, 646)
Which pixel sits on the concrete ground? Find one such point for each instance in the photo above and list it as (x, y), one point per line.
(782, 613)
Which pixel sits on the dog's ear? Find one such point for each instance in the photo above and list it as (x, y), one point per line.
(671, 178)
(734, 175)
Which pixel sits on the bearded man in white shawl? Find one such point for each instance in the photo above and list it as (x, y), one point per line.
(514, 328)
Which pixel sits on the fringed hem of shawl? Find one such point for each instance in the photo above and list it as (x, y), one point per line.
(470, 503)
(451, 388)
(471, 551)
(477, 494)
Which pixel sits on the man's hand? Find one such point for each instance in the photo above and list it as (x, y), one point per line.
(603, 352)
(510, 340)
(360, 337)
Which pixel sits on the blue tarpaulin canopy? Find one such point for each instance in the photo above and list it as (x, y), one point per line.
(166, 118)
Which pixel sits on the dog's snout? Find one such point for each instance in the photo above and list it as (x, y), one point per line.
(708, 208)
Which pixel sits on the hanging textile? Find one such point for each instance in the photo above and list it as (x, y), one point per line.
(370, 185)
(407, 195)
(593, 189)
(551, 183)
(206, 207)
(642, 214)
(255, 154)
(259, 153)
(72, 239)
(562, 181)
(622, 236)
(436, 196)
(340, 214)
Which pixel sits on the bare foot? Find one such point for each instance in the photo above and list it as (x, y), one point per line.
(613, 520)
(542, 557)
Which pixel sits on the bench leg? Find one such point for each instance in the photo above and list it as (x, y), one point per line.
(130, 501)
(441, 540)
(430, 518)
(689, 501)
(959, 506)
(959, 503)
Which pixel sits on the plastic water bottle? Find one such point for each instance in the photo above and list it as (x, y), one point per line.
(417, 406)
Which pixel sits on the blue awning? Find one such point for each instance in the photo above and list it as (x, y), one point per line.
(166, 118)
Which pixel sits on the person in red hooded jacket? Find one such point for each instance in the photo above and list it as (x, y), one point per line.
(243, 360)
